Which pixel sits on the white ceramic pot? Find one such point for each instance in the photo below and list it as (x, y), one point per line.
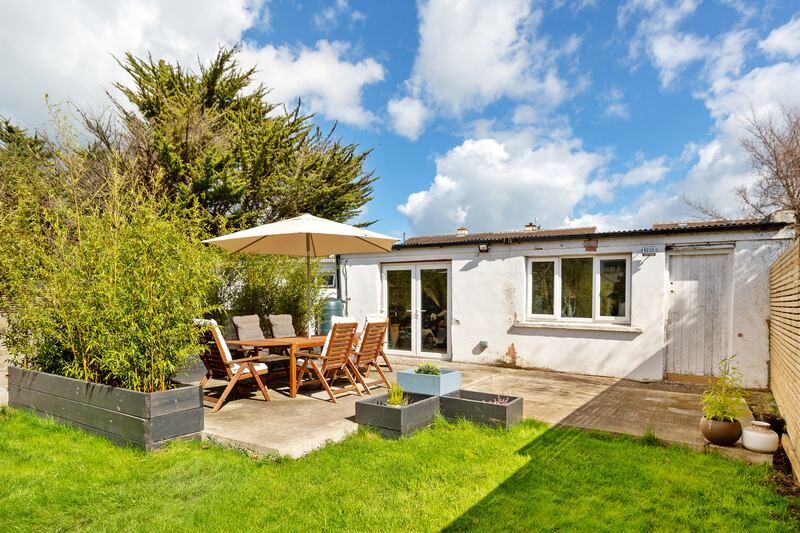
(758, 437)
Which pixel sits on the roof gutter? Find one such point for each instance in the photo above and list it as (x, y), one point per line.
(607, 234)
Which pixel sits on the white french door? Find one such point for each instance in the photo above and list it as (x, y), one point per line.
(416, 299)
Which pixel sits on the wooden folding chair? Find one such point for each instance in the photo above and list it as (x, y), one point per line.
(248, 327)
(335, 361)
(382, 355)
(220, 365)
(367, 354)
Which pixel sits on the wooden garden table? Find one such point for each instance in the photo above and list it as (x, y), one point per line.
(293, 344)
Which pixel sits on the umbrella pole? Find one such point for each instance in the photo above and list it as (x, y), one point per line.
(308, 284)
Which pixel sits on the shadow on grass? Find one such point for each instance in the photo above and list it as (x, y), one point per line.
(580, 479)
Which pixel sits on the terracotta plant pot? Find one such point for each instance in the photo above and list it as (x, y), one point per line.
(720, 433)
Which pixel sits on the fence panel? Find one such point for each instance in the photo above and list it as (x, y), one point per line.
(784, 346)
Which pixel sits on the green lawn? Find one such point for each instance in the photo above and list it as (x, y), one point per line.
(454, 477)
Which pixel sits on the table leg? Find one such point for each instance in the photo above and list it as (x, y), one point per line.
(292, 371)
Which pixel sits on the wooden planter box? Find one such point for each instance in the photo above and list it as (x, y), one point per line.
(448, 381)
(128, 418)
(474, 406)
(395, 422)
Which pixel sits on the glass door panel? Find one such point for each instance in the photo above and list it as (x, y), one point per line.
(433, 312)
(399, 309)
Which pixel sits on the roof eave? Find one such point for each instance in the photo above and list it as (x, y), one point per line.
(595, 235)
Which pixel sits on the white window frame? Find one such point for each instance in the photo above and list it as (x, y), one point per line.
(332, 284)
(556, 316)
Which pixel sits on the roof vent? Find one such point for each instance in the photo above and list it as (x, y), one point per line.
(462, 231)
(530, 226)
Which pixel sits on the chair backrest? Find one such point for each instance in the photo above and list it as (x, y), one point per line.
(217, 354)
(281, 326)
(372, 340)
(248, 327)
(339, 343)
(371, 318)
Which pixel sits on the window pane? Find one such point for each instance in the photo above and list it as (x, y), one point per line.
(576, 288)
(543, 286)
(398, 288)
(612, 287)
(433, 286)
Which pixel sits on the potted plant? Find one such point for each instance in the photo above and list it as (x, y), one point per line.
(99, 303)
(397, 413)
(428, 378)
(482, 407)
(721, 403)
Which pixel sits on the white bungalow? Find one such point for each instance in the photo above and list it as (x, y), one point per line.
(667, 302)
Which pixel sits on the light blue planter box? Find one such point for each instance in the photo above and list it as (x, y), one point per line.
(449, 381)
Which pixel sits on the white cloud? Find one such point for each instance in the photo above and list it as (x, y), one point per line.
(717, 166)
(671, 52)
(408, 116)
(66, 49)
(487, 186)
(783, 41)
(474, 52)
(721, 164)
(327, 81)
(651, 207)
(646, 172)
(329, 17)
(614, 102)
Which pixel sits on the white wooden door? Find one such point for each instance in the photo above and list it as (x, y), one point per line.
(699, 312)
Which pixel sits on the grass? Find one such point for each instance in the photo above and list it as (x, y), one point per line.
(455, 477)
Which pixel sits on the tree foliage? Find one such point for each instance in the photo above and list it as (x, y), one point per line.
(102, 266)
(247, 161)
(263, 285)
(773, 144)
(99, 290)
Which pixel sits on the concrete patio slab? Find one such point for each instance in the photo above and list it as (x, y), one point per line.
(295, 427)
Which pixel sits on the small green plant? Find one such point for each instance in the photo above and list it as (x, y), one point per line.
(649, 437)
(428, 368)
(722, 399)
(397, 397)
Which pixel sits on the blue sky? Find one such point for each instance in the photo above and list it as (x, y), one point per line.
(484, 114)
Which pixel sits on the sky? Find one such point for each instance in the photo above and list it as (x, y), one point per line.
(479, 113)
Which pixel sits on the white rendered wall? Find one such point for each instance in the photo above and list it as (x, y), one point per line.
(750, 340)
(489, 300)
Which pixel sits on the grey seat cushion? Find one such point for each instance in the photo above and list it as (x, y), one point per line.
(281, 326)
(248, 327)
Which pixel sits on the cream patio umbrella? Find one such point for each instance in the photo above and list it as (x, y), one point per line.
(307, 236)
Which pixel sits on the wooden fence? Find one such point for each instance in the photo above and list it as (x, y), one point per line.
(784, 346)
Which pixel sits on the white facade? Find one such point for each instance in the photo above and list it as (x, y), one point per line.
(490, 318)
(327, 270)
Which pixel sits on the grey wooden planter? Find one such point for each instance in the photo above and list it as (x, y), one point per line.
(128, 418)
(448, 381)
(395, 422)
(475, 406)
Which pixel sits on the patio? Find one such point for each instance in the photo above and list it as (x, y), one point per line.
(295, 427)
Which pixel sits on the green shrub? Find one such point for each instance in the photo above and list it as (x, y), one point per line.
(428, 368)
(722, 399)
(396, 397)
(264, 284)
(99, 278)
